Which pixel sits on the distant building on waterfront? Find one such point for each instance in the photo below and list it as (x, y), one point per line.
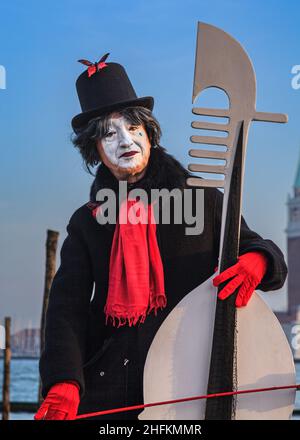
(290, 319)
(25, 343)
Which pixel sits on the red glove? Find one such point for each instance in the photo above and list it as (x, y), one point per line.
(61, 402)
(246, 273)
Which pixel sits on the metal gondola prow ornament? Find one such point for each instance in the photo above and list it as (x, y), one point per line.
(206, 345)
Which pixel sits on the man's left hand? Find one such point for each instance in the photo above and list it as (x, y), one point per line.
(246, 274)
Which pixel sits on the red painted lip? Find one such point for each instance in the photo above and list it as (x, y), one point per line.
(130, 153)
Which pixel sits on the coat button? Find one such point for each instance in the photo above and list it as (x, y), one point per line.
(102, 373)
(126, 361)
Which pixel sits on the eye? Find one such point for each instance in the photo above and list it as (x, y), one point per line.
(133, 127)
(109, 134)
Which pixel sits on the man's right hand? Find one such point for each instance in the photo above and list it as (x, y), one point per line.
(61, 402)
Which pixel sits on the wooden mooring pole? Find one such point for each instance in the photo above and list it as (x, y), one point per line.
(51, 246)
(6, 371)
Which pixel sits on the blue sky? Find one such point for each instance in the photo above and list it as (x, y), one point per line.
(42, 180)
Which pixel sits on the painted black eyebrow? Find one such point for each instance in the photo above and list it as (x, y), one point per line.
(133, 124)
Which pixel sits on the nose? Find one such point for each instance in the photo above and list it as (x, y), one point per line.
(125, 139)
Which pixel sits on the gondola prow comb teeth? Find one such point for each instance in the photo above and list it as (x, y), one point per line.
(222, 62)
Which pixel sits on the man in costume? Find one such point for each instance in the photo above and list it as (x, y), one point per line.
(117, 282)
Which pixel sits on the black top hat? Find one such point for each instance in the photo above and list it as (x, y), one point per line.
(102, 88)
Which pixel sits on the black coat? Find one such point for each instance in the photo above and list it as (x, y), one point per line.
(107, 361)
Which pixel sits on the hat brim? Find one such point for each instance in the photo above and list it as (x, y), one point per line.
(80, 120)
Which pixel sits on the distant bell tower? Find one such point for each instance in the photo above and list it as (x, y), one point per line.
(293, 245)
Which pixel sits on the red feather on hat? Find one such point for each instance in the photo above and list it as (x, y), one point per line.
(95, 67)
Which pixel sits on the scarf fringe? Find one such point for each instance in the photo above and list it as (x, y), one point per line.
(134, 317)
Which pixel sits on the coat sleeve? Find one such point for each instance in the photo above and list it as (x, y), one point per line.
(250, 241)
(67, 314)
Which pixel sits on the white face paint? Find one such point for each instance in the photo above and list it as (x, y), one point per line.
(125, 148)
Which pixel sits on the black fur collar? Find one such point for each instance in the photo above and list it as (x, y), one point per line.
(164, 171)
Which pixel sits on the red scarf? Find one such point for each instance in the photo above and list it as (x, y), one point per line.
(136, 276)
